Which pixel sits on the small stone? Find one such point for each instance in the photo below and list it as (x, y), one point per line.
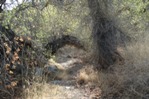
(67, 87)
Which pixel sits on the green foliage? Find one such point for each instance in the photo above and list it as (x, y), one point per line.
(133, 15)
(42, 21)
(53, 19)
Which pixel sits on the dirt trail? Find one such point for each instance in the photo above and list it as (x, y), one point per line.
(67, 87)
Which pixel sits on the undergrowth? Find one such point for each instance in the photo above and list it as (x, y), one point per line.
(130, 80)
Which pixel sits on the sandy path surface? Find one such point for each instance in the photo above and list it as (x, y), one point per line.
(67, 88)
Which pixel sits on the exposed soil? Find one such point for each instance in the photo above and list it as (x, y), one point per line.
(68, 87)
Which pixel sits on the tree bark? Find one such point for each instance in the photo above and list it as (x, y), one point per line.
(104, 34)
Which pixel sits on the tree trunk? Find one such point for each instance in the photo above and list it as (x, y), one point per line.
(104, 34)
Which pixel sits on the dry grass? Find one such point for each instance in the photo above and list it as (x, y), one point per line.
(51, 90)
(43, 91)
(42, 88)
(131, 80)
(87, 75)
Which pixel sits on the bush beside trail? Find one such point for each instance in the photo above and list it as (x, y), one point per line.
(17, 58)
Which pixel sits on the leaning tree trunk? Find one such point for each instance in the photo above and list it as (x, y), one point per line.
(104, 34)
